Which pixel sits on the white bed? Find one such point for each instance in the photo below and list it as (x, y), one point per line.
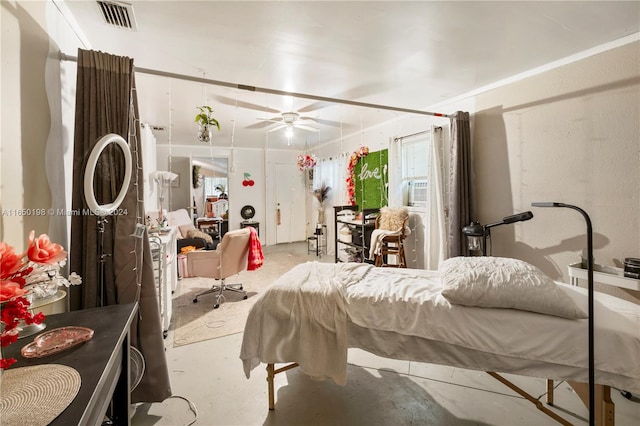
(314, 312)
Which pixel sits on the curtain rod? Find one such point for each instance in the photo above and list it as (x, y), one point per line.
(399, 138)
(65, 57)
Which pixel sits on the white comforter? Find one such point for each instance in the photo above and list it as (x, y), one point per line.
(302, 318)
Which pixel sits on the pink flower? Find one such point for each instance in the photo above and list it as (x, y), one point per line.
(42, 250)
(9, 290)
(10, 262)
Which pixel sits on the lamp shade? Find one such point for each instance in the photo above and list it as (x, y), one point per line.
(163, 177)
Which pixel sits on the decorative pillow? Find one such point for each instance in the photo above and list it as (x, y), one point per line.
(499, 282)
(392, 219)
(194, 233)
(184, 229)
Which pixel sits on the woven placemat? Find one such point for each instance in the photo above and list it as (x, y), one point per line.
(36, 395)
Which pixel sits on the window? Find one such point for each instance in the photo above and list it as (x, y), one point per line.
(213, 186)
(416, 157)
(416, 163)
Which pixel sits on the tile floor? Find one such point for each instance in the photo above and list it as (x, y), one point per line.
(210, 388)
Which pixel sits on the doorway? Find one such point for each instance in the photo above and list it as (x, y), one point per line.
(290, 204)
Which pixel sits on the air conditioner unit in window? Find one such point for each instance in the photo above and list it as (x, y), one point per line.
(418, 193)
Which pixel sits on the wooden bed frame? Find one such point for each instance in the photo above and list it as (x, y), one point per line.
(605, 408)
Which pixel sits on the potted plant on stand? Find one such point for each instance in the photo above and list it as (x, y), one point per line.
(321, 195)
(205, 121)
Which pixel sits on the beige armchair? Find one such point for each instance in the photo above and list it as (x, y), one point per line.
(229, 258)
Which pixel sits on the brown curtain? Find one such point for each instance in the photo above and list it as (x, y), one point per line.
(106, 103)
(459, 183)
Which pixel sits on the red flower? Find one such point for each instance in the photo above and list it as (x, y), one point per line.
(7, 362)
(42, 250)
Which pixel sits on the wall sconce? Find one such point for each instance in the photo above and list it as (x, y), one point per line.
(477, 234)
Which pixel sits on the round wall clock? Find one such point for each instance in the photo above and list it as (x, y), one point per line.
(247, 212)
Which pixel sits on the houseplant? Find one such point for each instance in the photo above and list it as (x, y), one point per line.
(223, 192)
(321, 194)
(205, 121)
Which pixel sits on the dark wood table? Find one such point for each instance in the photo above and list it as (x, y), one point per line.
(103, 363)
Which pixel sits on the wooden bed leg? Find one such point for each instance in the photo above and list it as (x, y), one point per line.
(605, 408)
(530, 398)
(550, 392)
(270, 376)
(608, 407)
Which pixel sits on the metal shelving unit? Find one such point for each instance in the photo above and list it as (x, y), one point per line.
(357, 249)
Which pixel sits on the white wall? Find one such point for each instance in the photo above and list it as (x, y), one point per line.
(240, 161)
(37, 121)
(571, 135)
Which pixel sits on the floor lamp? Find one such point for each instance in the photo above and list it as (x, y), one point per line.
(592, 417)
(163, 179)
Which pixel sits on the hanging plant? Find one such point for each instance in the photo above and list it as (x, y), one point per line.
(306, 162)
(205, 121)
(351, 179)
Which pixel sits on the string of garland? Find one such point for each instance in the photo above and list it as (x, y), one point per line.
(351, 179)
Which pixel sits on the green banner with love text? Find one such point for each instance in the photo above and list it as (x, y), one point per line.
(372, 180)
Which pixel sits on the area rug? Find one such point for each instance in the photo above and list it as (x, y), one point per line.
(195, 322)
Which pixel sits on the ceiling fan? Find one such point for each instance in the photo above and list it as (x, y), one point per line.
(289, 120)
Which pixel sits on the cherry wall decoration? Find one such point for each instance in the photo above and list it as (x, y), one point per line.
(247, 181)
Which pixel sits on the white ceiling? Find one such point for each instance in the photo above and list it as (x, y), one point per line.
(397, 53)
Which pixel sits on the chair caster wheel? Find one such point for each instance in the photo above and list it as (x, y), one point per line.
(164, 334)
(626, 394)
(216, 306)
(241, 288)
(245, 297)
(195, 300)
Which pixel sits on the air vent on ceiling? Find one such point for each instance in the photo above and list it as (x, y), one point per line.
(118, 14)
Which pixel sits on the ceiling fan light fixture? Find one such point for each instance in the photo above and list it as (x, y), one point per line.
(289, 132)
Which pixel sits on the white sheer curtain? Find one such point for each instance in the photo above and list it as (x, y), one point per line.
(331, 172)
(435, 248)
(395, 173)
(429, 242)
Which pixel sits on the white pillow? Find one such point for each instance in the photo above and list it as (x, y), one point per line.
(499, 282)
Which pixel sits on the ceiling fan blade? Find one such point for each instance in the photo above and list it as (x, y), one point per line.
(273, 120)
(314, 106)
(281, 126)
(233, 102)
(303, 127)
(322, 121)
(259, 125)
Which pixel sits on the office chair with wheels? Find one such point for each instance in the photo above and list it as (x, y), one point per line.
(229, 258)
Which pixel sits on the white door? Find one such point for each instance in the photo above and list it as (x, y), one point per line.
(290, 204)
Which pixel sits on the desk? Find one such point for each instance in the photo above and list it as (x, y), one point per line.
(103, 363)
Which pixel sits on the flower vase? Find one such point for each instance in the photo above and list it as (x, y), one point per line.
(321, 215)
(205, 134)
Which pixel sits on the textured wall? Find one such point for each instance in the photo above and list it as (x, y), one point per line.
(570, 135)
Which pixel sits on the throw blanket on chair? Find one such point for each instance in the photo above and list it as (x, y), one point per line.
(255, 256)
(376, 240)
